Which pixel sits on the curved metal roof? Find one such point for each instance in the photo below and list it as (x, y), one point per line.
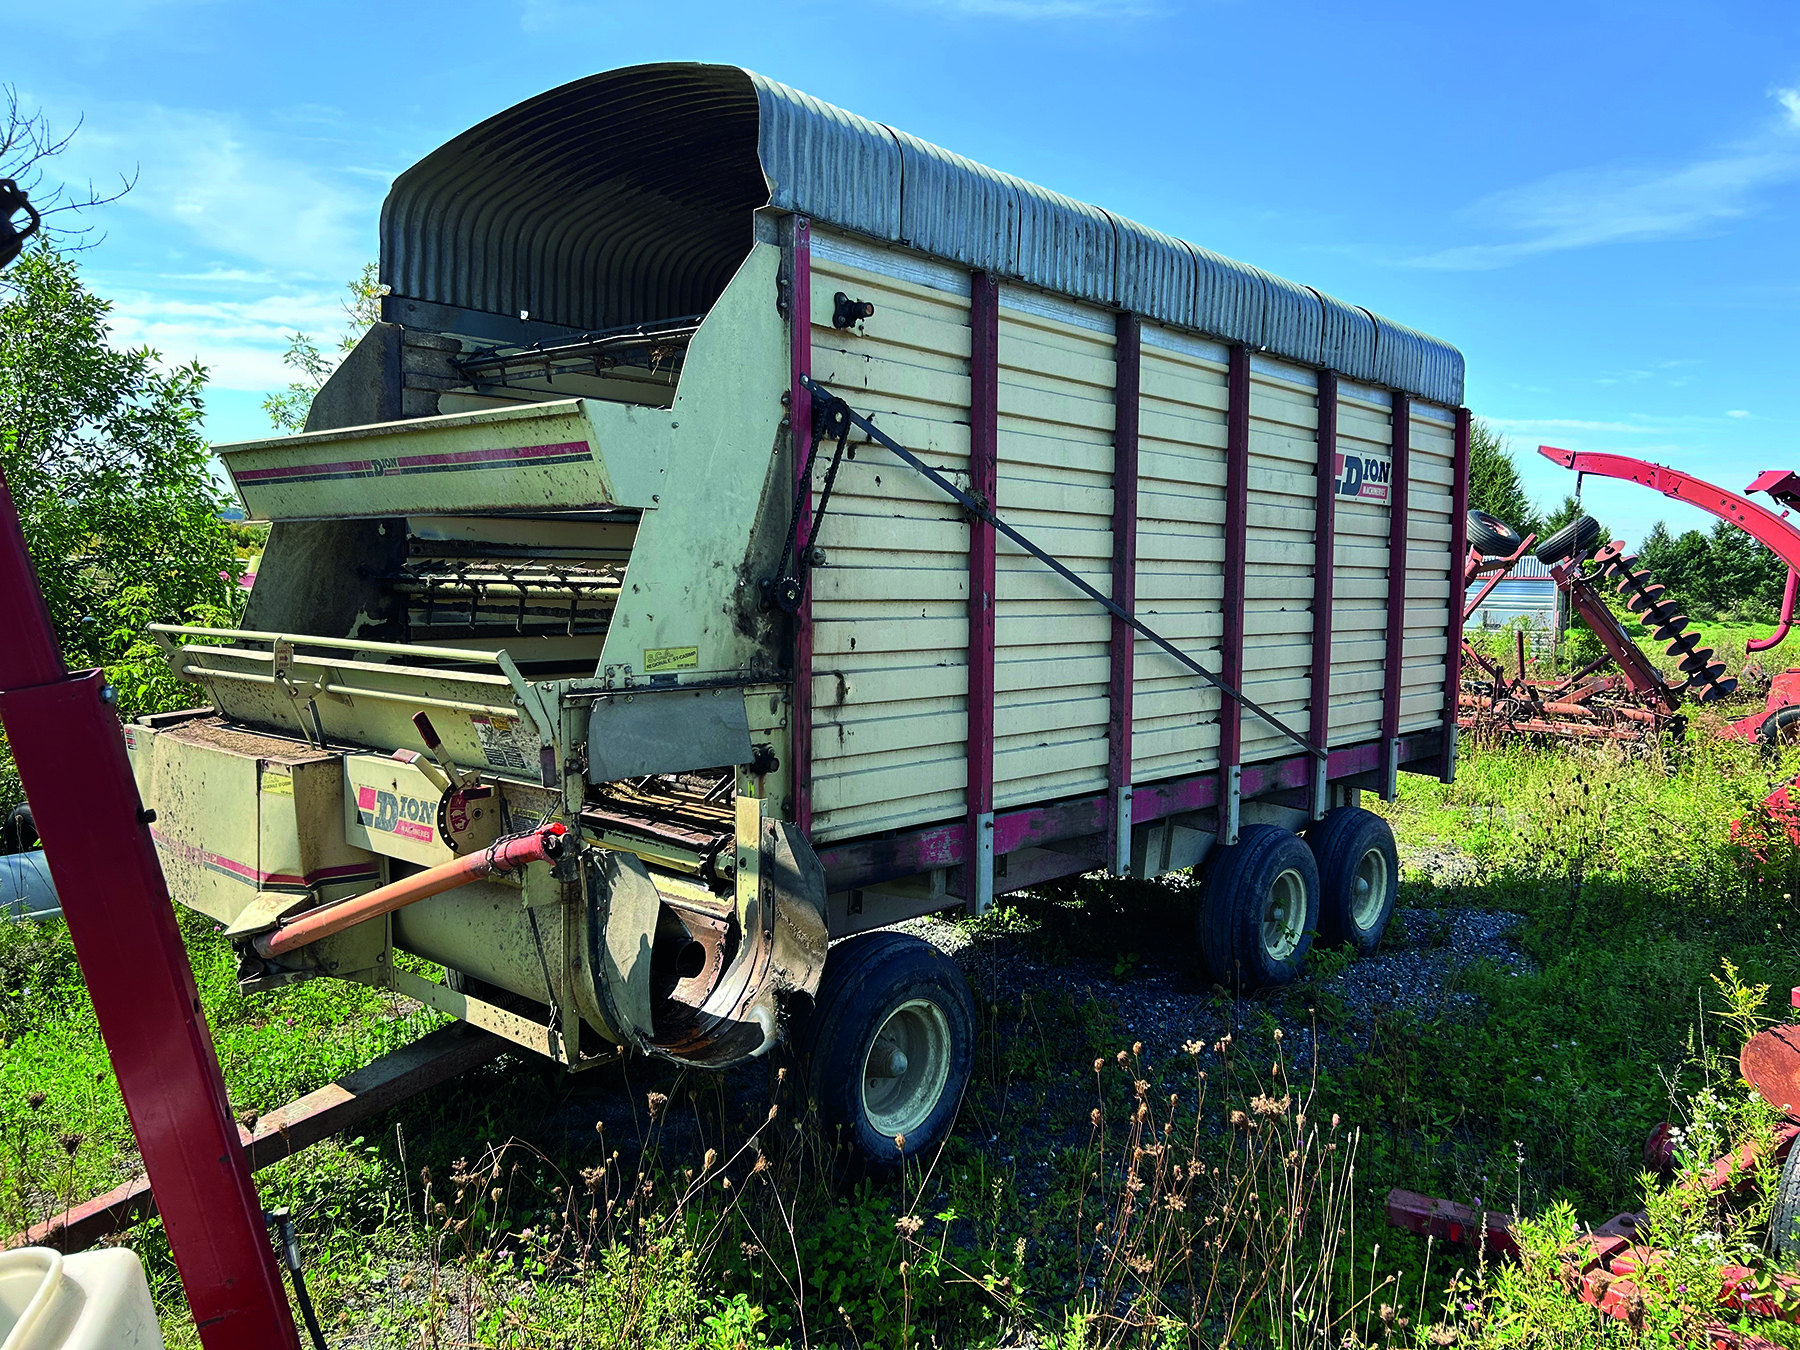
(627, 196)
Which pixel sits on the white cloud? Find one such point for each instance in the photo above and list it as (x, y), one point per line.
(1581, 208)
(1736, 412)
(240, 342)
(225, 189)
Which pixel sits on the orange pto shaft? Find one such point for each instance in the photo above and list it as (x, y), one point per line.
(505, 855)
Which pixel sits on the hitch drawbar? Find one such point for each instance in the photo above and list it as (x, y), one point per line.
(505, 855)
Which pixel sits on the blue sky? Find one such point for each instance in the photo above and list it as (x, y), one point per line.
(1595, 202)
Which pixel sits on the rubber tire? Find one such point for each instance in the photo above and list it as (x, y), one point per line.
(1491, 536)
(1229, 920)
(866, 979)
(1784, 1220)
(1339, 844)
(1775, 730)
(1577, 537)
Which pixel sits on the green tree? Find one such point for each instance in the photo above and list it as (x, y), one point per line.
(1567, 510)
(1494, 483)
(103, 454)
(287, 409)
(1721, 572)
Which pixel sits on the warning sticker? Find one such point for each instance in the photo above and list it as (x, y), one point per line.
(670, 658)
(1363, 477)
(502, 741)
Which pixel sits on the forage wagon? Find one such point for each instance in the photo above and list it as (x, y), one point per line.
(752, 526)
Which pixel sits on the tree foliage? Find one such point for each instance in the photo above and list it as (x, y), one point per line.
(287, 409)
(1494, 482)
(103, 453)
(1723, 573)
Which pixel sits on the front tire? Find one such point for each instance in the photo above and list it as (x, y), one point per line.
(886, 1052)
(1259, 908)
(1359, 877)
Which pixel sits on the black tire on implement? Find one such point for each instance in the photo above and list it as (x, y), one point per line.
(1491, 536)
(1259, 908)
(1784, 1221)
(887, 1049)
(1359, 875)
(1578, 537)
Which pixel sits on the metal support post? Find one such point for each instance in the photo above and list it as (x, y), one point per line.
(65, 739)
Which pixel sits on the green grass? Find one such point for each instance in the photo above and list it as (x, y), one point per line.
(1632, 889)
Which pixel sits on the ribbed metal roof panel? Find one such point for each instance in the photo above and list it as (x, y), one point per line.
(1408, 359)
(1347, 339)
(626, 196)
(1155, 274)
(822, 161)
(954, 208)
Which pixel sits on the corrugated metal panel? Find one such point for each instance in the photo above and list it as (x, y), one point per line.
(1155, 275)
(616, 198)
(1293, 322)
(1230, 298)
(1347, 344)
(825, 162)
(627, 196)
(955, 208)
(1408, 359)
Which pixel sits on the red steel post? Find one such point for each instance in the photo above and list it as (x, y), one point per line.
(1324, 577)
(65, 739)
(1399, 485)
(1237, 517)
(984, 484)
(800, 424)
(1459, 590)
(1127, 366)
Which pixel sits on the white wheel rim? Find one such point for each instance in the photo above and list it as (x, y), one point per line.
(908, 1064)
(1369, 889)
(1284, 916)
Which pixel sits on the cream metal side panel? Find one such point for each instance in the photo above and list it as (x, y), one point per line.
(1428, 566)
(1279, 555)
(890, 602)
(690, 593)
(1359, 611)
(1051, 644)
(1181, 551)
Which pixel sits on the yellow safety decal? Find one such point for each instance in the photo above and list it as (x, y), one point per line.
(276, 783)
(670, 658)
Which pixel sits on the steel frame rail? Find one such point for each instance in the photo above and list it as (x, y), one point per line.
(65, 738)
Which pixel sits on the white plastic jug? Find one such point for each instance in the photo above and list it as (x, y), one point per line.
(89, 1301)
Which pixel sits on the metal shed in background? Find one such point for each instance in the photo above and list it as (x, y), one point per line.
(1527, 593)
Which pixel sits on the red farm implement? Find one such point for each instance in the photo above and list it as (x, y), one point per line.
(1611, 1264)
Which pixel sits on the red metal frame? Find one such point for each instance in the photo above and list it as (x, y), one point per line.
(1237, 531)
(800, 424)
(1776, 638)
(65, 739)
(869, 862)
(1128, 369)
(1324, 577)
(984, 483)
(1459, 550)
(1398, 511)
(1762, 524)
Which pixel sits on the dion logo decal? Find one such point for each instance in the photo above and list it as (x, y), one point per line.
(392, 813)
